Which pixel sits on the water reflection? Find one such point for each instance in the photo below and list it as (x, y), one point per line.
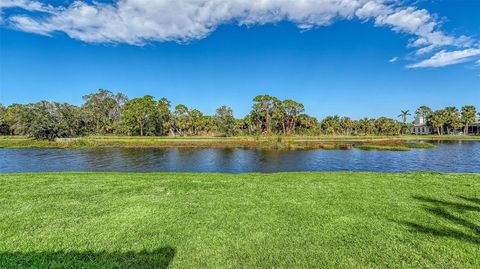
(448, 156)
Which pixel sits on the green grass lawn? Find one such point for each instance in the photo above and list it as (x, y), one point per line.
(286, 220)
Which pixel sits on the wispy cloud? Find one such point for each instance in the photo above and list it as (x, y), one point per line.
(444, 58)
(138, 22)
(25, 4)
(394, 59)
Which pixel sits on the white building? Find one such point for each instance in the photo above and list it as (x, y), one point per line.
(420, 126)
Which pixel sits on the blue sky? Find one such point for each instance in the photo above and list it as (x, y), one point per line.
(349, 66)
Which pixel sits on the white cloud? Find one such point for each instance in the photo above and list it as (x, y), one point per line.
(141, 21)
(394, 59)
(444, 58)
(25, 4)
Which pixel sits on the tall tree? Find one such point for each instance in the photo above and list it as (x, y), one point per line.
(180, 121)
(290, 111)
(404, 115)
(225, 121)
(366, 126)
(437, 120)
(18, 117)
(469, 116)
(164, 116)
(264, 107)
(424, 112)
(49, 120)
(453, 120)
(346, 124)
(102, 109)
(44, 124)
(308, 125)
(331, 125)
(140, 115)
(386, 126)
(69, 120)
(4, 127)
(251, 124)
(195, 121)
(208, 125)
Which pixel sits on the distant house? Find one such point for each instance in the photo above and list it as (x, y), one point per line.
(420, 126)
(474, 128)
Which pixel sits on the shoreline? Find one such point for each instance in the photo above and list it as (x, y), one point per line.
(394, 143)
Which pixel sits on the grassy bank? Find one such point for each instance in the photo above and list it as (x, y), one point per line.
(286, 220)
(274, 142)
(394, 145)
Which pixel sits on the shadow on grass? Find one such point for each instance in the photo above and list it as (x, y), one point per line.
(465, 229)
(471, 200)
(452, 205)
(158, 258)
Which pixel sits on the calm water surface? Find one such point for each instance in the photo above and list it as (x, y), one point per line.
(448, 156)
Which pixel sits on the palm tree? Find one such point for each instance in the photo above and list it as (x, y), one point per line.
(346, 124)
(438, 120)
(404, 114)
(453, 120)
(469, 116)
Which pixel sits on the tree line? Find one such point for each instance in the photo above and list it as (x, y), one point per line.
(106, 113)
(448, 120)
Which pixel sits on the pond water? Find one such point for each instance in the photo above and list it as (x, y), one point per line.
(448, 156)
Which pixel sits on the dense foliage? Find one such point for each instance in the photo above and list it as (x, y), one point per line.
(107, 113)
(448, 120)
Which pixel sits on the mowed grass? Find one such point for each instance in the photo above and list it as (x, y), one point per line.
(285, 220)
